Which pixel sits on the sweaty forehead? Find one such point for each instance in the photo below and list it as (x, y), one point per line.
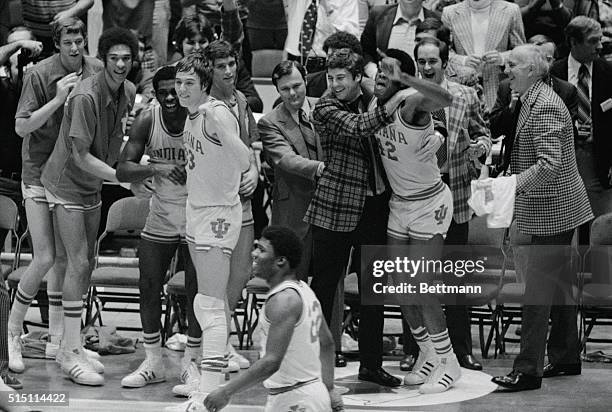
(165, 84)
(120, 50)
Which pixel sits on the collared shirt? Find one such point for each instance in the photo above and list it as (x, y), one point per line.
(306, 108)
(403, 32)
(573, 67)
(92, 120)
(39, 88)
(340, 15)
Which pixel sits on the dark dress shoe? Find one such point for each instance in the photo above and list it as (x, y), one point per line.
(469, 362)
(560, 369)
(340, 360)
(379, 376)
(517, 381)
(407, 363)
(13, 382)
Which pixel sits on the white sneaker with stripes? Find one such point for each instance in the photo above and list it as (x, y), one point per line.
(148, 372)
(14, 351)
(76, 364)
(444, 377)
(424, 367)
(194, 404)
(94, 362)
(191, 380)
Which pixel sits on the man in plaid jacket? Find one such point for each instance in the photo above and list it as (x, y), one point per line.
(551, 202)
(350, 204)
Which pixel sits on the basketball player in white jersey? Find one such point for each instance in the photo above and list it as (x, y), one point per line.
(421, 209)
(216, 160)
(297, 347)
(158, 133)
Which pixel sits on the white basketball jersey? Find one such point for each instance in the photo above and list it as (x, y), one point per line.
(169, 147)
(214, 163)
(301, 362)
(398, 144)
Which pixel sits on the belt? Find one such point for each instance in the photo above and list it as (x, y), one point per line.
(278, 391)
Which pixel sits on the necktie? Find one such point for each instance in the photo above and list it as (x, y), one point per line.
(308, 135)
(508, 141)
(308, 30)
(442, 152)
(584, 103)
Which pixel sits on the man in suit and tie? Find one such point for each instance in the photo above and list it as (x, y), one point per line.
(484, 32)
(551, 202)
(591, 75)
(392, 27)
(505, 112)
(468, 138)
(292, 148)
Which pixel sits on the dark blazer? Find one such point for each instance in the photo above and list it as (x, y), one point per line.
(550, 194)
(294, 171)
(602, 121)
(502, 119)
(378, 29)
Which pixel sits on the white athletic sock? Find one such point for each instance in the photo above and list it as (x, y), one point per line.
(18, 311)
(152, 346)
(442, 343)
(210, 313)
(56, 317)
(72, 324)
(193, 351)
(422, 338)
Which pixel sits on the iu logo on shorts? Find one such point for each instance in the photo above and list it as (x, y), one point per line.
(440, 214)
(219, 228)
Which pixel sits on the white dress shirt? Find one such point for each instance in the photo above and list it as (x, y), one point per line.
(403, 32)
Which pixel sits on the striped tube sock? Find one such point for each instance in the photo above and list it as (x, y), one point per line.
(442, 343)
(18, 311)
(56, 316)
(72, 324)
(152, 345)
(192, 351)
(421, 337)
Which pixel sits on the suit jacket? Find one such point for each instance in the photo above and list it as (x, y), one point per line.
(294, 171)
(378, 29)
(338, 201)
(602, 121)
(550, 194)
(504, 33)
(464, 124)
(502, 120)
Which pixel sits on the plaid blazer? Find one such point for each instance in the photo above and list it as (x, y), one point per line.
(464, 124)
(341, 191)
(504, 33)
(550, 194)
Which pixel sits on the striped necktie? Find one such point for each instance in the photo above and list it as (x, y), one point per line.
(308, 135)
(308, 30)
(584, 101)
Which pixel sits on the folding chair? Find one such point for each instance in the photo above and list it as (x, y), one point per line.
(596, 294)
(127, 214)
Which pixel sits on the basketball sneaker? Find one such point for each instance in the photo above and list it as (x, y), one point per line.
(148, 372)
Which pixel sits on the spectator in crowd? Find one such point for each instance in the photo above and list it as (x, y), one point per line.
(214, 12)
(392, 27)
(504, 114)
(365, 6)
(350, 203)
(542, 16)
(293, 148)
(267, 25)
(89, 140)
(483, 33)
(10, 89)
(551, 202)
(311, 22)
(39, 16)
(468, 139)
(591, 75)
(316, 83)
(601, 11)
(136, 15)
(195, 33)
(38, 119)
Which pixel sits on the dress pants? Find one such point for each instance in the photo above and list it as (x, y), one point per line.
(548, 282)
(330, 255)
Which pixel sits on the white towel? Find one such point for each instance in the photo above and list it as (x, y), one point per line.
(494, 198)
